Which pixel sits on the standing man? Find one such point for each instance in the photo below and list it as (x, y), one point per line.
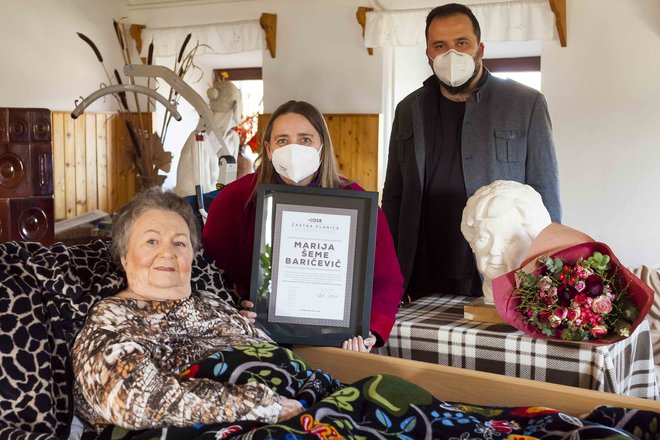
(461, 130)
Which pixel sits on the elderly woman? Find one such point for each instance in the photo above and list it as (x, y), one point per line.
(128, 358)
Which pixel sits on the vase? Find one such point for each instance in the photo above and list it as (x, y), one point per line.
(146, 182)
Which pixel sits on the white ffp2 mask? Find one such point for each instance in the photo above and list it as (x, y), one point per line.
(454, 68)
(295, 162)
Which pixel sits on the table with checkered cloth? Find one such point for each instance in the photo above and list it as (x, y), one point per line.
(433, 329)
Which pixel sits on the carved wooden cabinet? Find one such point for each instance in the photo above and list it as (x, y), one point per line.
(26, 175)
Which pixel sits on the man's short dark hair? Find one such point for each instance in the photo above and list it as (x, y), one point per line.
(453, 9)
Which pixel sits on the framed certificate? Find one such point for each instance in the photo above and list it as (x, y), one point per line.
(312, 263)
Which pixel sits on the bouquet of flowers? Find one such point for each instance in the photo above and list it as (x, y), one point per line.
(579, 293)
(578, 301)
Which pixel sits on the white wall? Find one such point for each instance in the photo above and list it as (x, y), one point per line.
(319, 55)
(319, 59)
(603, 91)
(44, 63)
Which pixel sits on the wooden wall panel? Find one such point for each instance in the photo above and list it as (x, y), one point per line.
(355, 141)
(69, 168)
(80, 184)
(92, 166)
(111, 187)
(59, 180)
(101, 162)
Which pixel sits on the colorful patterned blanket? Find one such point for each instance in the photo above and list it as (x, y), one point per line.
(380, 407)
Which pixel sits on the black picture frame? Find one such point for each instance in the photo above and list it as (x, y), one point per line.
(340, 227)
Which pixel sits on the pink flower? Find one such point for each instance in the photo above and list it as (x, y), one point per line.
(599, 331)
(572, 314)
(544, 284)
(602, 304)
(561, 313)
(554, 321)
(580, 285)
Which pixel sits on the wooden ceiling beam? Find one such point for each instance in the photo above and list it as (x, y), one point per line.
(361, 16)
(268, 23)
(559, 8)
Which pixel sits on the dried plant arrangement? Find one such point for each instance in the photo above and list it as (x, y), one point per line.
(148, 153)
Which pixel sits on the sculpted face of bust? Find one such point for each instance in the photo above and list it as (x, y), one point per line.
(500, 221)
(501, 239)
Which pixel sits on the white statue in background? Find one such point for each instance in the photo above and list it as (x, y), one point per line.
(500, 221)
(226, 103)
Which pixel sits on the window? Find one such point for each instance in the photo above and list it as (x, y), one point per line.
(249, 82)
(525, 70)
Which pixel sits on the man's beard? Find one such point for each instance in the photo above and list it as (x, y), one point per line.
(455, 90)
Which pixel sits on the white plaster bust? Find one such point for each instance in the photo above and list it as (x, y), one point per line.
(225, 101)
(500, 221)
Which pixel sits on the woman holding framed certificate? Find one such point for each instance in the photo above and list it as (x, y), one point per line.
(296, 149)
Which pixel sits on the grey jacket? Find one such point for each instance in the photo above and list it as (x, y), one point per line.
(507, 135)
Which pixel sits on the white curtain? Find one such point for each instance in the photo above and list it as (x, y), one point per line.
(521, 20)
(222, 38)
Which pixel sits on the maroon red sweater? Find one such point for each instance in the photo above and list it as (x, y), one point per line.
(229, 234)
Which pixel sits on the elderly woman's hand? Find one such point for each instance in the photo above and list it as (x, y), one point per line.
(245, 311)
(360, 344)
(289, 409)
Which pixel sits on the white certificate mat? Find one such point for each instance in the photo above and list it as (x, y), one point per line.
(312, 273)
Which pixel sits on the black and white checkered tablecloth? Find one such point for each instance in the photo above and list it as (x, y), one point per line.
(433, 329)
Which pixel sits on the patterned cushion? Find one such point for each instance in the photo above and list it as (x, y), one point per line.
(45, 294)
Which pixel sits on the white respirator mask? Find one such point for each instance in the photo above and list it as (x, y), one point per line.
(296, 162)
(454, 68)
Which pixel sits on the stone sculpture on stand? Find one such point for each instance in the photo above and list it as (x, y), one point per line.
(226, 103)
(500, 221)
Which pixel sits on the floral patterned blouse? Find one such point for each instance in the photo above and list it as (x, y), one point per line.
(128, 357)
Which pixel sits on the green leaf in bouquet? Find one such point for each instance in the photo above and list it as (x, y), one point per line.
(535, 321)
(574, 335)
(548, 331)
(599, 261)
(527, 280)
(554, 265)
(548, 262)
(558, 265)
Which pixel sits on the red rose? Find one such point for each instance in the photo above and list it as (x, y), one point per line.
(599, 331)
(561, 312)
(572, 314)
